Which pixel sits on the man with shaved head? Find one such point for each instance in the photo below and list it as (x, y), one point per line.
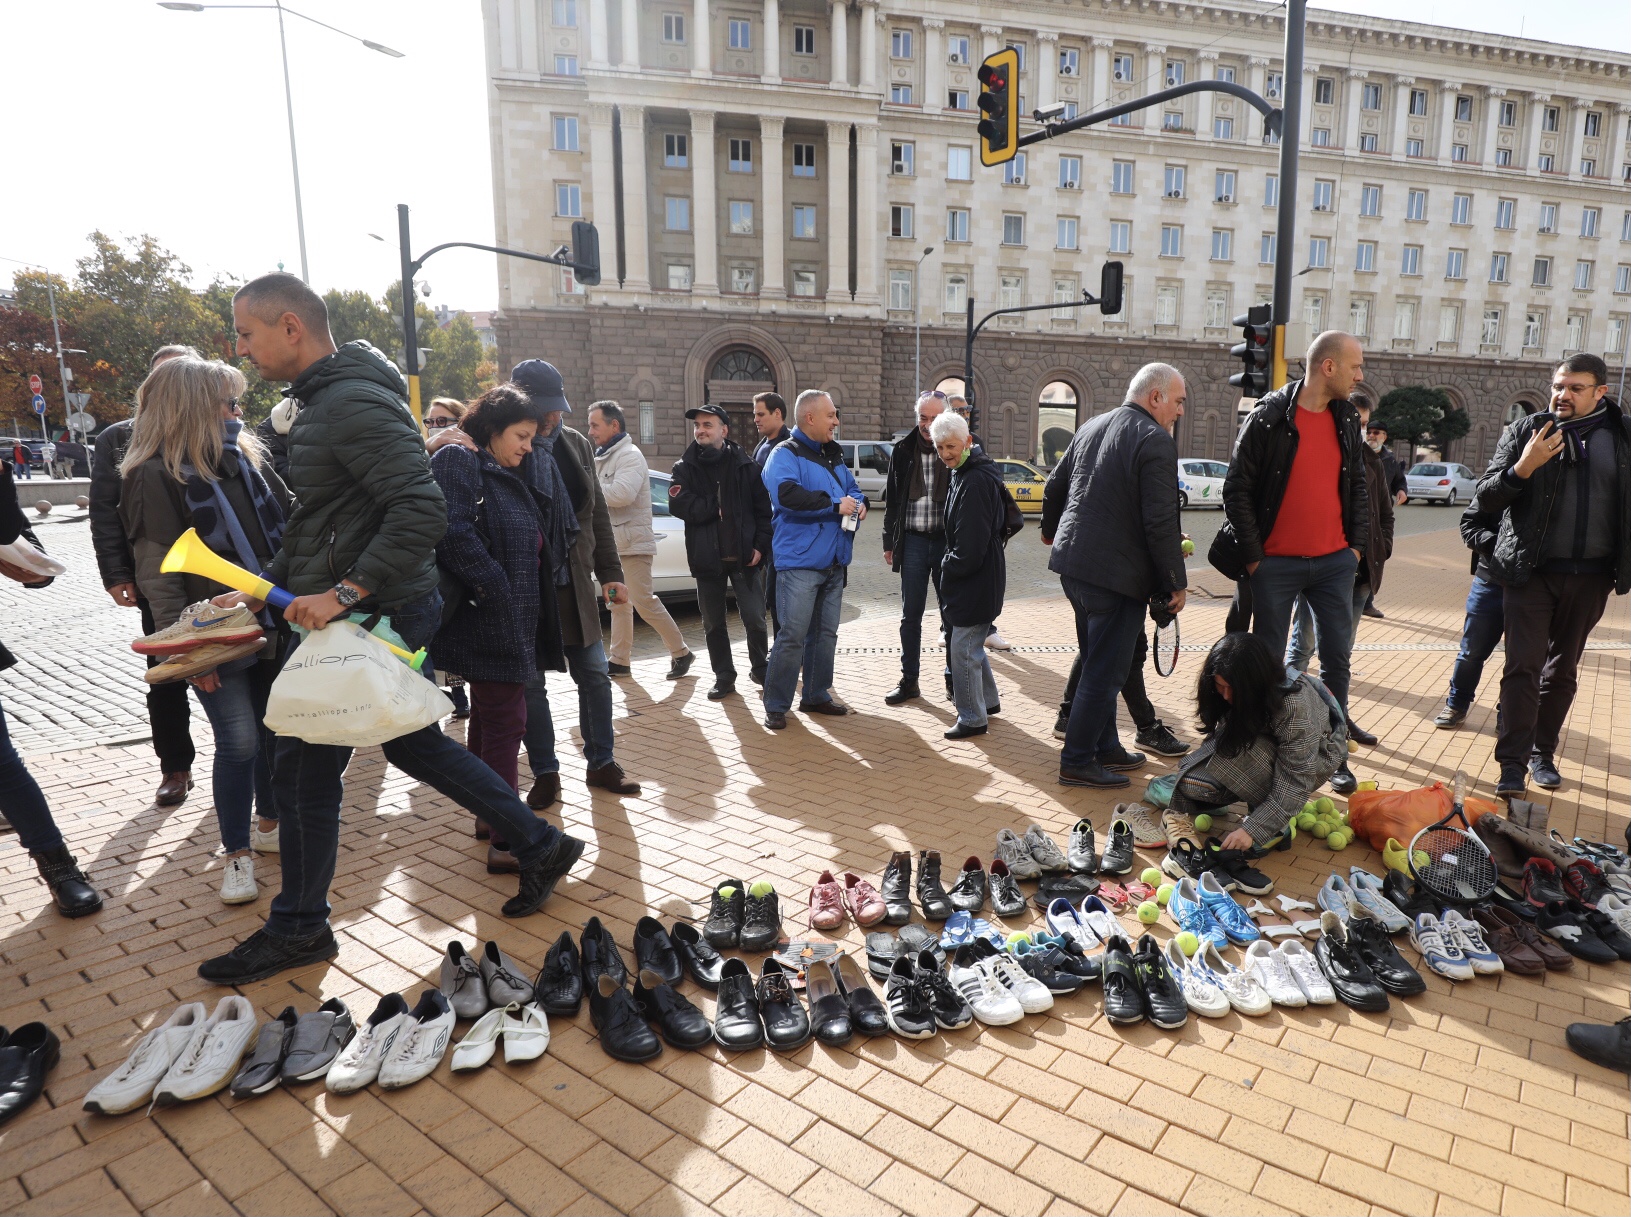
(1298, 508)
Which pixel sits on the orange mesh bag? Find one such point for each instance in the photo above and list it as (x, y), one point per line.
(1377, 815)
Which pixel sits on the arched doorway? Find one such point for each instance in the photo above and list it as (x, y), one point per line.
(1056, 409)
(736, 376)
(1517, 410)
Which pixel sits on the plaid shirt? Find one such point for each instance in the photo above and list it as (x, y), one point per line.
(926, 515)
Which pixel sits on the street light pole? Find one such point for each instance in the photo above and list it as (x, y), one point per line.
(917, 321)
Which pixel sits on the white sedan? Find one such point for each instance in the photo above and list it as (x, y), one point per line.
(1444, 484)
(670, 572)
(1200, 483)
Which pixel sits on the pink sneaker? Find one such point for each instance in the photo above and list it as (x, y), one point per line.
(826, 903)
(863, 901)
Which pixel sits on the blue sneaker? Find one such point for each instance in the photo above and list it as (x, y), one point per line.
(995, 935)
(958, 931)
(1189, 913)
(1064, 921)
(1236, 924)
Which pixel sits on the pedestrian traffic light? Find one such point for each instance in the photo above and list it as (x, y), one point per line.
(1255, 353)
(999, 108)
(585, 253)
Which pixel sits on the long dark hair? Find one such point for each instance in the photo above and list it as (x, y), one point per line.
(1256, 682)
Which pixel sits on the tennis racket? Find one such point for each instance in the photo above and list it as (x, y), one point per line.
(1163, 635)
(1450, 862)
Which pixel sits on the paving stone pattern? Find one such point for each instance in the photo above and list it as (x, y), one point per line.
(1462, 1100)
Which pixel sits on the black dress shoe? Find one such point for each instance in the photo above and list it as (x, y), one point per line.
(831, 707)
(538, 879)
(905, 691)
(624, 1035)
(1355, 984)
(1544, 770)
(1343, 781)
(616, 669)
(679, 665)
(681, 1023)
(724, 925)
(931, 896)
(1608, 1046)
(702, 962)
(1371, 943)
(1092, 774)
(545, 792)
(71, 888)
(736, 1015)
(897, 889)
(829, 1012)
(722, 689)
(1122, 758)
(966, 730)
(787, 1026)
(31, 1052)
(761, 918)
(866, 1012)
(262, 955)
(600, 957)
(1164, 1003)
(775, 720)
(1360, 736)
(654, 950)
(560, 981)
(968, 893)
(1006, 898)
(1123, 996)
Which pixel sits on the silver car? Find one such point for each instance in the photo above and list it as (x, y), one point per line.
(670, 572)
(1445, 484)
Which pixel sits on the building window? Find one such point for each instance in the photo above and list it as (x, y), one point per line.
(804, 160)
(900, 220)
(566, 65)
(1013, 229)
(1509, 114)
(741, 218)
(1461, 209)
(1588, 168)
(648, 422)
(1275, 85)
(900, 290)
(1166, 304)
(1622, 279)
(1271, 190)
(900, 95)
(1594, 124)
(902, 158)
(1410, 260)
(1574, 332)
(1319, 252)
(1323, 193)
(1223, 73)
(1013, 172)
(1497, 268)
(1068, 233)
(1217, 308)
(1172, 241)
(1265, 250)
(1418, 103)
(676, 151)
(957, 99)
(568, 200)
(1490, 334)
(1365, 256)
(1589, 217)
(744, 278)
(1367, 143)
(956, 224)
(1548, 119)
(1582, 276)
(1121, 236)
(1010, 291)
(674, 30)
(1324, 91)
(1070, 111)
(1458, 152)
(1625, 227)
(1018, 48)
(677, 214)
(956, 293)
(740, 34)
(569, 282)
(1463, 109)
(1121, 178)
(1175, 73)
(1544, 162)
(1542, 276)
(804, 40)
(566, 133)
(900, 44)
(957, 49)
(1172, 120)
(804, 222)
(1415, 205)
(1370, 200)
(679, 276)
(1449, 323)
(1174, 181)
(1455, 264)
(1069, 61)
(563, 12)
(1616, 336)
(1359, 316)
(1548, 217)
(1503, 157)
(1370, 97)
(1121, 120)
(1534, 329)
(959, 163)
(1121, 68)
(1223, 186)
(1070, 173)
(1412, 147)
(1314, 312)
(1506, 211)
(1223, 245)
(1064, 292)
(1404, 319)
(741, 156)
(1223, 128)
(804, 281)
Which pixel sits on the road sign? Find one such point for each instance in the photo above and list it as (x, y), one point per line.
(34, 386)
(81, 422)
(39, 404)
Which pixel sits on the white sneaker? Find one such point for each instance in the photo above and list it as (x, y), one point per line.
(526, 1033)
(1441, 953)
(1619, 909)
(263, 842)
(1244, 991)
(1306, 970)
(1468, 935)
(1201, 994)
(481, 1041)
(1274, 975)
(238, 881)
(420, 1044)
(996, 642)
(992, 1004)
(212, 1054)
(1032, 994)
(131, 1085)
(359, 1061)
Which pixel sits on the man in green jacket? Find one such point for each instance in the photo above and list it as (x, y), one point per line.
(361, 538)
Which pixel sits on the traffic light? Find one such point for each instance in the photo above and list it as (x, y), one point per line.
(999, 107)
(585, 253)
(1255, 353)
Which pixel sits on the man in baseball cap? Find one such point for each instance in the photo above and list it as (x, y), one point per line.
(543, 384)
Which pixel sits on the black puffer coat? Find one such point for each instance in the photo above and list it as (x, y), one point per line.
(973, 575)
(699, 480)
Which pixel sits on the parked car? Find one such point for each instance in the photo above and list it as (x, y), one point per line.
(9, 442)
(1025, 482)
(1444, 484)
(1200, 483)
(869, 464)
(670, 572)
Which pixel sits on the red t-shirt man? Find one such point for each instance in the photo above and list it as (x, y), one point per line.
(1309, 524)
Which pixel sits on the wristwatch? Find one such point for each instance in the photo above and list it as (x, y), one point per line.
(348, 596)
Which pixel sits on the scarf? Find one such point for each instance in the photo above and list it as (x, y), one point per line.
(1577, 431)
(544, 475)
(213, 516)
(617, 439)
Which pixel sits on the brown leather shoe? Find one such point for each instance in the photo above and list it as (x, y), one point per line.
(1504, 938)
(173, 790)
(611, 777)
(1494, 918)
(545, 792)
(501, 861)
(482, 831)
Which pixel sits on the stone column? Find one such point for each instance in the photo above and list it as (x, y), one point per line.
(599, 48)
(1047, 67)
(837, 233)
(772, 218)
(1615, 157)
(773, 42)
(1099, 86)
(867, 218)
(871, 19)
(934, 65)
(840, 42)
(1401, 114)
(1492, 123)
(1449, 91)
(629, 38)
(636, 248)
(990, 40)
(1206, 65)
(1577, 135)
(704, 204)
(1537, 116)
(1310, 73)
(1155, 76)
(1354, 83)
(602, 209)
(702, 39)
(1257, 71)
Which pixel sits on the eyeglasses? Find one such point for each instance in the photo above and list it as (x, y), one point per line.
(436, 424)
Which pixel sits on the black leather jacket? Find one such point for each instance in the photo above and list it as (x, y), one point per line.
(113, 556)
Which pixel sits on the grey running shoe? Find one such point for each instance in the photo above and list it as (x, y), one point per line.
(1017, 856)
(1046, 854)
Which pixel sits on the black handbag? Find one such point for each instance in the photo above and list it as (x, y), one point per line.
(1224, 555)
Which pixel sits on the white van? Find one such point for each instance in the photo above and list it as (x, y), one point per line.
(868, 462)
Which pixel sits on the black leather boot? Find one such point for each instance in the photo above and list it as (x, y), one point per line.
(70, 887)
(931, 895)
(896, 889)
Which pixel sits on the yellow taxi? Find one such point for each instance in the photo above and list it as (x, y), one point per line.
(1025, 482)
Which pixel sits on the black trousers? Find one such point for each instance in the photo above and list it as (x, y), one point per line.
(1548, 620)
(1239, 619)
(168, 711)
(750, 604)
(1132, 693)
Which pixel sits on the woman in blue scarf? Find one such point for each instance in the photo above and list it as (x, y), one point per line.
(191, 464)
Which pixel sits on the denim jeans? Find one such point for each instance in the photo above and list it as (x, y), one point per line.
(1107, 629)
(973, 687)
(586, 665)
(750, 606)
(1328, 583)
(309, 782)
(242, 775)
(920, 557)
(1486, 622)
(1133, 694)
(22, 801)
(808, 604)
(1304, 635)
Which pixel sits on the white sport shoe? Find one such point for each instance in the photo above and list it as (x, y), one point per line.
(481, 1041)
(1619, 909)
(992, 1004)
(1305, 969)
(359, 1061)
(131, 1085)
(526, 1033)
(1004, 969)
(238, 881)
(996, 642)
(263, 842)
(1274, 974)
(1244, 991)
(420, 1044)
(1201, 993)
(212, 1054)
(1440, 952)
(1468, 935)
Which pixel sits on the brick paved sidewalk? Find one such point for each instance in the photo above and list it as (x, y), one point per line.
(1464, 1099)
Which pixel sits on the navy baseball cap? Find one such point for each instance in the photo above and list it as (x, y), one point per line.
(542, 383)
(717, 411)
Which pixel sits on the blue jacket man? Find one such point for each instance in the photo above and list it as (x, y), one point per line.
(812, 498)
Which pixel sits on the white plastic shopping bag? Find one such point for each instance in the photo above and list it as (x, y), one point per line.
(343, 687)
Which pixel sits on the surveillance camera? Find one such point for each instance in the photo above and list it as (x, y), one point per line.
(424, 290)
(1044, 114)
(562, 252)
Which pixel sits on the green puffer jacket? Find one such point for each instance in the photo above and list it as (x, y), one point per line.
(367, 508)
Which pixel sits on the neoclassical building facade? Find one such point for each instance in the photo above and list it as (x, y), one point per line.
(789, 195)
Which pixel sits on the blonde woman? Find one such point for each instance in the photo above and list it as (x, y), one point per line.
(191, 464)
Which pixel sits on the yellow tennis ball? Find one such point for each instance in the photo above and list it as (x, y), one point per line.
(1188, 943)
(1163, 894)
(1188, 547)
(1149, 912)
(1336, 840)
(1321, 829)
(1323, 805)
(1151, 876)
(1310, 806)
(1367, 785)
(1203, 822)
(1419, 859)
(1306, 820)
